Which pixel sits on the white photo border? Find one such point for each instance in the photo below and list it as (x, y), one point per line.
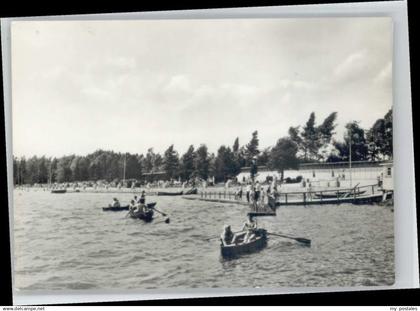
(405, 227)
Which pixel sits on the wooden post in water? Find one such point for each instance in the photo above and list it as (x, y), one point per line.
(285, 196)
(320, 197)
(304, 198)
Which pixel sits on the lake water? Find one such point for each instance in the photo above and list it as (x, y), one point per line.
(66, 241)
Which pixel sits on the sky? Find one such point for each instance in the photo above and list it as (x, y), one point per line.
(127, 86)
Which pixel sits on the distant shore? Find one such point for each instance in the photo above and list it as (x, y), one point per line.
(217, 188)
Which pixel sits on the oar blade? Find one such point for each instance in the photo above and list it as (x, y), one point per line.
(307, 242)
(304, 241)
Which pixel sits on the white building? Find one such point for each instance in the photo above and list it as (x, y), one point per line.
(387, 176)
(327, 174)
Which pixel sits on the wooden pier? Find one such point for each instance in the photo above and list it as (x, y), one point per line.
(357, 195)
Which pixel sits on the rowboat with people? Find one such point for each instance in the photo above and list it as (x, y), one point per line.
(240, 246)
(123, 207)
(146, 216)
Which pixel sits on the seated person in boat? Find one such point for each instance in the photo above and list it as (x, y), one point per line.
(132, 205)
(250, 226)
(140, 208)
(115, 203)
(142, 199)
(227, 236)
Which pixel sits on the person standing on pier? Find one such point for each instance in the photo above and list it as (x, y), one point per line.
(248, 192)
(257, 191)
(240, 193)
(262, 196)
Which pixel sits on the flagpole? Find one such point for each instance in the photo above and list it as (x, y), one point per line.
(125, 159)
(350, 160)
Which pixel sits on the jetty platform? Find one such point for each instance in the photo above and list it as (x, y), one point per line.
(359, 195)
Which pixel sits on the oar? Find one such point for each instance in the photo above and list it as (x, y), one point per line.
(301, 240)
(166, 221)
(163, 214)
(213, 237)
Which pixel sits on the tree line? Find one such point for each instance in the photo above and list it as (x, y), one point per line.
(303, 144)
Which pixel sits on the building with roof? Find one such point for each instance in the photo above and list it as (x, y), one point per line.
(324, 174)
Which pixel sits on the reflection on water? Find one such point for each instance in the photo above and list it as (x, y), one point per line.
(67, 242)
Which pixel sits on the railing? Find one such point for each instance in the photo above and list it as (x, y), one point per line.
(321, 196)
(318, 196)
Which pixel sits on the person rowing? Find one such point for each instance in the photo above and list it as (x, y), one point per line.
(132, 205)
(142, 199)
(249, 227)
(115, 203)
(227, 235)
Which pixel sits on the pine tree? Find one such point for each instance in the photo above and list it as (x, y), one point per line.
(187, 163)
(171, 162)
(252, 148)
(202, 162)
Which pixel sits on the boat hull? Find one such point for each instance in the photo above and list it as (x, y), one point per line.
(147, 217)
(123, 207)
(339, 194)
(162, 193)
(59, 191)
(235, 250)
(191, 191)
(115, 209)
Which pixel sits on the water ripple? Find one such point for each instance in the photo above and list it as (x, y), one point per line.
(68, 242)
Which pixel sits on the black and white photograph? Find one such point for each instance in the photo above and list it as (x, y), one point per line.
(202, 153)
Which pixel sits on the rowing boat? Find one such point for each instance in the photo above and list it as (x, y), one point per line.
(123, 207)
(331, 194)
(239, 248)
(145, 216)
(58, 191)
(191, 191)
(161, 193)
(115, 208)
(261, 213)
